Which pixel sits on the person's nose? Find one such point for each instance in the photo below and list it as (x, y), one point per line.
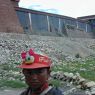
(34, 76)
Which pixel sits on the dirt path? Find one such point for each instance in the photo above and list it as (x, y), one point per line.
(18, 91)
(11, 92)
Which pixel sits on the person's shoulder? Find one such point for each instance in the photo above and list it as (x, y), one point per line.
(25, 92)
(56, 91)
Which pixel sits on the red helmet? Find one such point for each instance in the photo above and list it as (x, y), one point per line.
(32, 60)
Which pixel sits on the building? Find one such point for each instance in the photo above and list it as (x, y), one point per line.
(37, 22)
(21, 20)
(90, 20)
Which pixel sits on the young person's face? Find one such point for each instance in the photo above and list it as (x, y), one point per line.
(35, 78)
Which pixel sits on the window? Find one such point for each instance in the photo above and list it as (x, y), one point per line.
(54, 24)
(24, 20)
(39, 23)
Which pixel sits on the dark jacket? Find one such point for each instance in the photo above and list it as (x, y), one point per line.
(53, 91)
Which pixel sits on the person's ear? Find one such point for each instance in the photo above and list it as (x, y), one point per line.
(49, 71)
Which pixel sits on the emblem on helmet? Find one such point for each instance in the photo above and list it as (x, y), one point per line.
(27, 58)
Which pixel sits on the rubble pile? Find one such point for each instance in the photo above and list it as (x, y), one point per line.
(58, 48)
(76, 80)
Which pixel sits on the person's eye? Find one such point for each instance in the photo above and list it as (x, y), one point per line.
(30, 73)
(40, 71)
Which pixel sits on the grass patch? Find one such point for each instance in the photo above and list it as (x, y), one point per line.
(85, 68)
(55, 83)
(12, 83)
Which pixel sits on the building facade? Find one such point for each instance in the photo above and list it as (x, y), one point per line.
(21, 20)
(8, 18)
(41, 22)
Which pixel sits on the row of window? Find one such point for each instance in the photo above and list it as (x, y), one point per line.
(44, 23)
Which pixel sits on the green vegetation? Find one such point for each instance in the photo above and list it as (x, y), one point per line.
(12, 83)
(85, 68)
(55, 83)
(11, 76)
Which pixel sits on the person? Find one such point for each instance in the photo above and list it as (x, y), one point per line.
(36, 68)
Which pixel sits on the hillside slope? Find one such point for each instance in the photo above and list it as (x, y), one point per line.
(11, 44)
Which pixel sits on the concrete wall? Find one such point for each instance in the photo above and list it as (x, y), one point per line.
(75, 33)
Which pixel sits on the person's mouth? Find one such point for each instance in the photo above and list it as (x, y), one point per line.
(34, 82)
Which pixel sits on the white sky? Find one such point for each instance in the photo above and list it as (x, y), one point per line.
(71, 8)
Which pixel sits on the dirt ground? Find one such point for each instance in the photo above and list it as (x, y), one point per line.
(18, 91)
(11, 92)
